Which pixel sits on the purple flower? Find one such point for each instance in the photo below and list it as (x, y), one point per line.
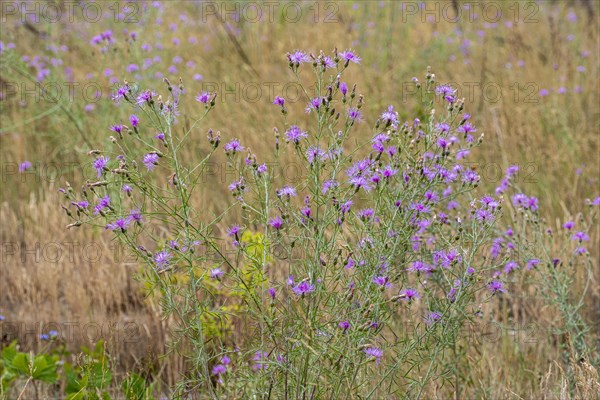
(355, 115)
(272, 292)
(288, 191)
(99, 164)
(261, 169)
(219, 369)
(102, 204)
(390, 116)
(581, 236)
(117, 128)
(260, 357)
(510, 266)
(532, 263)
(295, 134)
(162, 259)
(145, 97)
(349, 55)
(496, 286)
(233, 147)
(135, 215)
(343, 88)
(216, 273)
(409, 295)
(298, 57)
(314, 104)
(432, 318)
(374, 352)
(303, 288)
(315, 153)
(233, 231)
(203, 97)
(344, 325)
(160, 136)
(382, 281)
(121, 224)
(150, 160)
(135, 121)
(126, 188)
(81, 204)
(25, 165)
(276, 223)
(279, 101)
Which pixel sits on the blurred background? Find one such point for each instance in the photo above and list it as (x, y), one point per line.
(528, 71)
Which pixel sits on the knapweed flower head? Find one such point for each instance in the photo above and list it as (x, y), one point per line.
(349, 56)
(234, 146)
(374, 352)
(344, 325)
(135, 121)
(162, 259)
(100, 165)
(24, 166)
(294, 134)
(216, 273)
(260, 361)
(303, 288)
(203, 97)
(409, 295)
(287, 191)
(279, 101)
(102, 204)
(298, 57)
(496, 286)
(120, 224)
(150, 161)
(276, 223)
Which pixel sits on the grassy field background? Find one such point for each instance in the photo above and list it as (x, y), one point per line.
(528, 72)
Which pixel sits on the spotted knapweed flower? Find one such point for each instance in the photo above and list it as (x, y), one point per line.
(344, 325)
(25, 165)
(135, 121)
(314, 104)
(303, 288)
(287, 191)
(216, 273)
(298, 57)
(390, 117)
(162, 259)
(580, 236)
(145, 97)
(99, 164)
(432, 318)
(354, 115)
(203, 97)
(343, 88)
(260, 358)
(219, 369)
(135, 215)
(272, 292)
(382, 281)
(279, 101)
(409, 295)
(294, 134)
(510, 266)
(276, 223)
(374, 352)
(150, 160)
(121, 224)
(234, 146)
(349, 56)
(160, 136)
(496, 286)
(102, 204)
